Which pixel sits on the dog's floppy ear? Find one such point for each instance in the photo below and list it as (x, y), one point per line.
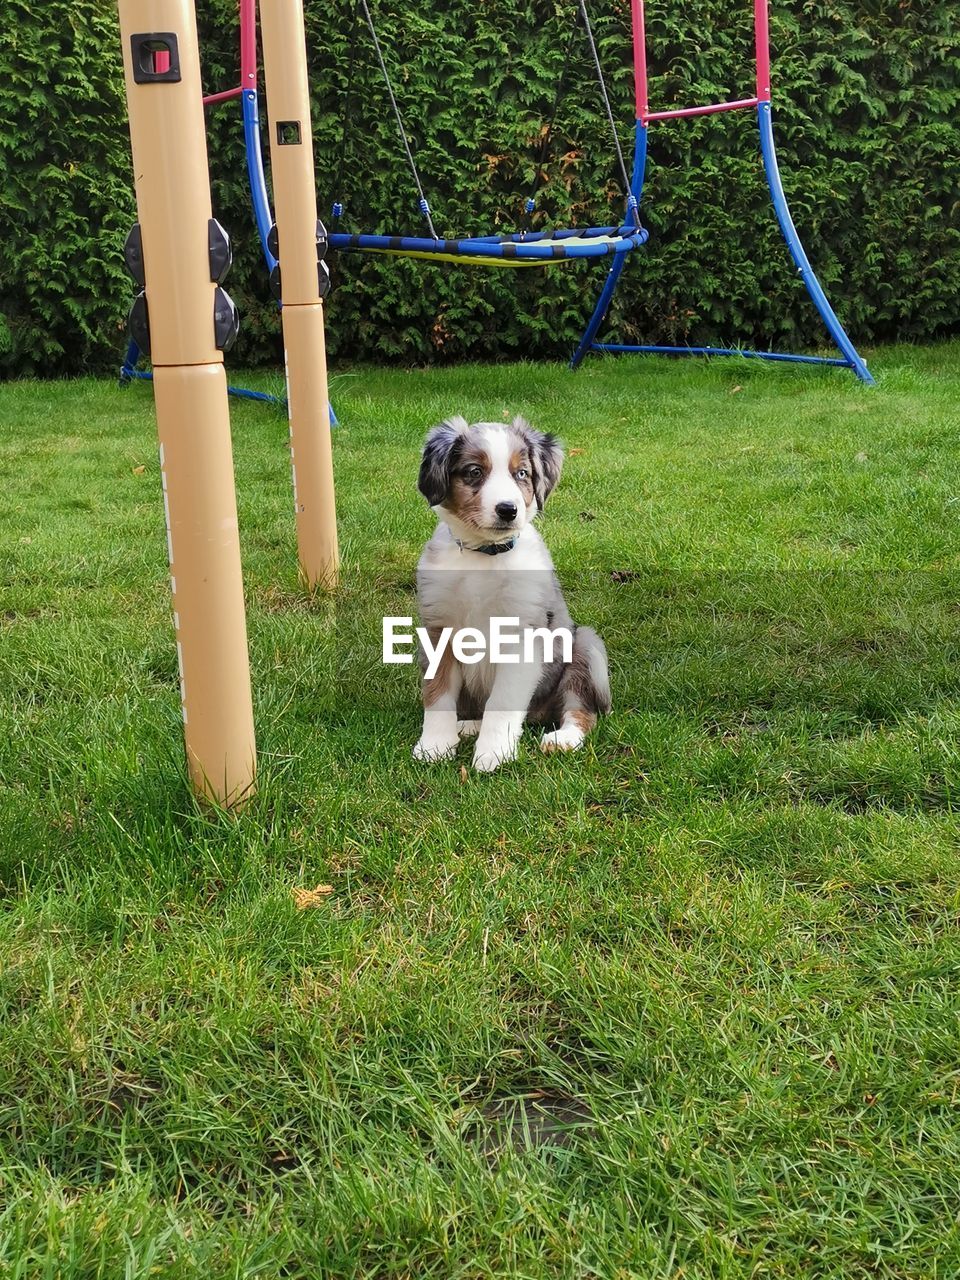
(434, 481)
(546, 459)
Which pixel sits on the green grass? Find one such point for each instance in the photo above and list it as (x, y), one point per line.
(715, 954)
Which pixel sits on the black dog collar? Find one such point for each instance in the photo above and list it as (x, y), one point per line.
(490, 548)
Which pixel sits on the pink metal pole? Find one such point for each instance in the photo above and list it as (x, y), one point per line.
(248, 44)
(708, 110)
(211, 98)
(640, 58)
(761, 34)
(711, 109)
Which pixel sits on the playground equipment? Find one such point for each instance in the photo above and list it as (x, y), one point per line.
(522, 249)
(185, 320)
(761, 102)
(248, 76)
(542, 248)
(528, 248)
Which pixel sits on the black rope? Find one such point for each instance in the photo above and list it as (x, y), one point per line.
(346, 121)
(422, 199)
(631, 200)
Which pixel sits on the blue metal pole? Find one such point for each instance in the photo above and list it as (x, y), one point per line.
(620, 261)
(818, 297)
(255, 173)
(128, 370)
(620, 348)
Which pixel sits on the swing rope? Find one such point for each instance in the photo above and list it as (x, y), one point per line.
(422, 199)
(525, 248)
(630, 197)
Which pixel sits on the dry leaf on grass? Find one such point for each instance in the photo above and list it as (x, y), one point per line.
(138, 471)
(311, 897)
(574, 453)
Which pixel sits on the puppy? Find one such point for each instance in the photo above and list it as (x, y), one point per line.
(486, 483)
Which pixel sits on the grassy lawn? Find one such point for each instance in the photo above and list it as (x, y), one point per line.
(683, 1005)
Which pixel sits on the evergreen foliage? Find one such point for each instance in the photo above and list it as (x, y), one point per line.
(866, 99)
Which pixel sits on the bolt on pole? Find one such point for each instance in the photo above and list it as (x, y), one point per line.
(184, 319)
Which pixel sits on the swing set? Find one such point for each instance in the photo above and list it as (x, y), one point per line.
(531, 247)
(528, 248)
(540, 248)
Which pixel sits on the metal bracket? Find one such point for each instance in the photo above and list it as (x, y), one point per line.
(138, 322)
(155, 57)
(133, 254)
(220, 251)
(323, 273)
(226, 320)
(323, 281)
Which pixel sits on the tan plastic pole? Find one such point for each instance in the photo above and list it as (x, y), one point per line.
(180, 254)
(295, 200)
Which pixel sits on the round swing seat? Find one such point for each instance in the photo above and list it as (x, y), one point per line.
(522, 249)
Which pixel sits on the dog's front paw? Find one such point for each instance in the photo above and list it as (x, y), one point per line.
(566, 739)
(492, 754)
(432, 748)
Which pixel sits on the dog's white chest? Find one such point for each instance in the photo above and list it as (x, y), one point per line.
(463, 589)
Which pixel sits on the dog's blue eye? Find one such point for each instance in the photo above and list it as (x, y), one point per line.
(521, 474)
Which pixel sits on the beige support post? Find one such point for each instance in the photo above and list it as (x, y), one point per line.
(173, 255)
(295, 200)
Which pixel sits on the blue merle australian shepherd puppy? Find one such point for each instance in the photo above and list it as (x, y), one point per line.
(486, 482)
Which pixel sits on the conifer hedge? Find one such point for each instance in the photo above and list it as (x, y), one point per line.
(866, 102)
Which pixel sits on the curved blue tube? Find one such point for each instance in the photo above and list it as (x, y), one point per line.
(255, 173)
(552, 246)
(613, 275)
(622, 348)
(852, 359)
(128, 369)
(818, 297)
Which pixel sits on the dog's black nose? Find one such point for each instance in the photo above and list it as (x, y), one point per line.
(506, 510)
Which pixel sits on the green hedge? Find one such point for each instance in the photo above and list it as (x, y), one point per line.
(866, 95)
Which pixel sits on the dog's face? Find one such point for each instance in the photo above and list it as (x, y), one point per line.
(488, 479)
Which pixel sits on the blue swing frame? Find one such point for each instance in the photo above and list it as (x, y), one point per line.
(851, 359)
